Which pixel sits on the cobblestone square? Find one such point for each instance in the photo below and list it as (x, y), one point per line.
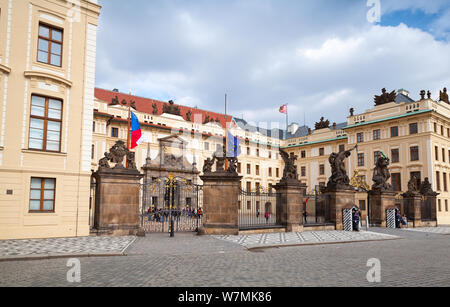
(187, 260)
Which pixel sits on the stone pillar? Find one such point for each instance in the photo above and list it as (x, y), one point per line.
(220, 203)
(379, 202)
(290, 194)
(117, 201)
(339, 200)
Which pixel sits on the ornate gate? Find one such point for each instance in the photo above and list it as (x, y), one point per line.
(257, 210)
(175, 199)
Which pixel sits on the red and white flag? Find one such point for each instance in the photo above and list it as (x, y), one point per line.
(283, 109)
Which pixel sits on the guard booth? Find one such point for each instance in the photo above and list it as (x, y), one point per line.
(390, 218)
(347, 218)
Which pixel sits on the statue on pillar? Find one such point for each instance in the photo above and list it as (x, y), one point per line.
(385, 97)
(426, 189)
(207, 166)
(290, 169)
(413, 188)
(339, 178)
(381, 175)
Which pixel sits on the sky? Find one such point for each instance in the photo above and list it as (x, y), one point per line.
(321, 57)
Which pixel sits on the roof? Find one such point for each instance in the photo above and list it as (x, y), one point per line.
(388, 118)
(274, 133)
(403, 98)
(145, 105)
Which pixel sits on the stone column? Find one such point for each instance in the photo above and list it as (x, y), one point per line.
(290, 194)
(220, 203)
(117, 201)
(379, 202)
(339, 200)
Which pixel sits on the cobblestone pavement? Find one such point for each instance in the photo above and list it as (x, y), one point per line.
(438, 230)
(418, 259)
(64, 246)
(304, 238)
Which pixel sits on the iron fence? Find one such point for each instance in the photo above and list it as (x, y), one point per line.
(257, 210)
(316, 210)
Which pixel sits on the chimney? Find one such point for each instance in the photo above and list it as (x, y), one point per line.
(309, 131)
(334, 126)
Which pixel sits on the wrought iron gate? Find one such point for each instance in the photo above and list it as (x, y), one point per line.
(181, 202)
(257, 210)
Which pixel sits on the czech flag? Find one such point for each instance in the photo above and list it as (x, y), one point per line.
(136, 133)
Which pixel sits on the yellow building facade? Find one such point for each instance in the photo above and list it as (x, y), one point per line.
(47, 80)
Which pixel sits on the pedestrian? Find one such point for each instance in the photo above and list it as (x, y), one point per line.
(267, 216)
(305, 216)
(398, 219)
(356, 219)
(404, 221)
(257, 213)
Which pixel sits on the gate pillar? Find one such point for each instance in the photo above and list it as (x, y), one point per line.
(220, 203)
(339, 200)
(380, 202)
(290, 194)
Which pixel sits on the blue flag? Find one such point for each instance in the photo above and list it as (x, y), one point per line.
(233, 149)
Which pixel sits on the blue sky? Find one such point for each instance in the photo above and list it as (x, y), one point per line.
(320, 56)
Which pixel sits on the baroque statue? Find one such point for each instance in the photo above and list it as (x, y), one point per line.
(232, 165)
(443, 96)
(171, 108)
(413, 188)
(207, 166)
(426, 189)
(116, 155)
(322, 124)
(385, 97)
(422, 95)
(155, 109)
(290, 169)
(381, 175)
(189, 116)
(339, 178)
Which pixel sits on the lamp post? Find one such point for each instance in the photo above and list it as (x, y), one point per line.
(170, 190)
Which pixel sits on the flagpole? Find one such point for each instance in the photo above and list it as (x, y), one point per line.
(226, 134)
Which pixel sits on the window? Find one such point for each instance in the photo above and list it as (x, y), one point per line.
(377, 134)
(321, 151)
(45, 124)
(303, 171)
(376, 156)
(92, 152)
(443, 155)
(114, 132)
(395, 155)
(270, 155)
(248, 151)
(438, 181)
(257, 187)
(435, 127)
(444, 175)
(396, 182)
(442, 130)
(249, 169)
(270, 172)
(257, 152)
(93, 126)
(49, 45)
(257, 170)
(42, 195)
(321, 169)
(362, 204)
(413, 128)
(341, 147)
(414, 152)
(394, 131)
(436, 153)
(249, 204)
(303, 154)
(278, 172)
(249, 186)
(446, 205)
(239, 167)
(360, 137)
(439, 205)
(206, 146)
(361, 159)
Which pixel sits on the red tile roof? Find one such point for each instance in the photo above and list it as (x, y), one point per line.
(145, 105)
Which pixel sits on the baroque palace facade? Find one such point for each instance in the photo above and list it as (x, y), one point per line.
(413, 134)
(47, 80)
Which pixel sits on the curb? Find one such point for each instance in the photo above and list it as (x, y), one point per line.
(60, 256)
(318, 243)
